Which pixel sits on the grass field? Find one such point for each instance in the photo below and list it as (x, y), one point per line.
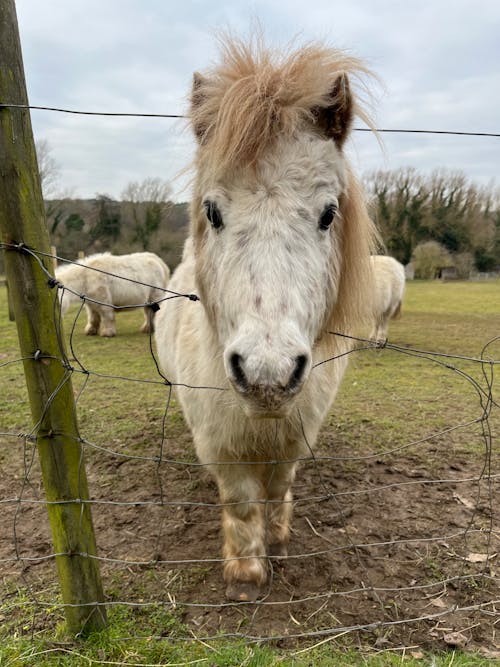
(392, 400)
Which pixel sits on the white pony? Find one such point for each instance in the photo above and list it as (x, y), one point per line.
(389, 287)
(279, 254)
(91, 277)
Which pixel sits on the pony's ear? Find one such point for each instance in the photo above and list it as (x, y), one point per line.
(197, 98)
(335, 119)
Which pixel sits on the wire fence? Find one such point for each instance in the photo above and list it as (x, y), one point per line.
(396, 541)
(124, 114)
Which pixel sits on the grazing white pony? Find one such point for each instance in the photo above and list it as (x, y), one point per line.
(389, 287)
(279, 254)
(91, 277)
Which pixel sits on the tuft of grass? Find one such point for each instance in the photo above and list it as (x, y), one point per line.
(110, 648)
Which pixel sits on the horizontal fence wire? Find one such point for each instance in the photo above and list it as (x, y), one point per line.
(194, 561)
(124, 114)
(478, 532)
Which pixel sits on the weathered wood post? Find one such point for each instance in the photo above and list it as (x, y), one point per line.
(9, 302)
(22, 221)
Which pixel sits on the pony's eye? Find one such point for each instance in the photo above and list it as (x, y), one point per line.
(213, 214)
(326, 218)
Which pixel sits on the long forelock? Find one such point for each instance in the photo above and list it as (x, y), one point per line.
(256, 94)
(359, 241)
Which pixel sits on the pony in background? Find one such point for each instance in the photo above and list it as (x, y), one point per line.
(389, 286)
(279, 254)
(137, 280)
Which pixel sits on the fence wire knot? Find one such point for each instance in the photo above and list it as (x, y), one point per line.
(53, 282)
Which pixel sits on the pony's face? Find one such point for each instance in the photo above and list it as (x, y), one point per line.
(268, 249)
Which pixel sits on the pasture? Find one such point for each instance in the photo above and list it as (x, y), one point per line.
(395, 534)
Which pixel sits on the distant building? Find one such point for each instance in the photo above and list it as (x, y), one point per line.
(447, 273)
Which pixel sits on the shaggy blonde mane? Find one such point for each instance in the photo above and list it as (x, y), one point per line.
(255, 94)
(360, 239)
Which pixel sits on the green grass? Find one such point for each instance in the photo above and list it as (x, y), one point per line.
(388, 398)
(395, 397)
(123, 643)
(107, 649)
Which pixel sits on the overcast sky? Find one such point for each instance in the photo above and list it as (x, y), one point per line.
(439, 61)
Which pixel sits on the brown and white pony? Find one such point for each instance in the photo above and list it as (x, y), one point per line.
(389, 286)
(138, 279)
(279, 254)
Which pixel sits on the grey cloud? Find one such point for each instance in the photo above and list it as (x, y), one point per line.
(438, 60)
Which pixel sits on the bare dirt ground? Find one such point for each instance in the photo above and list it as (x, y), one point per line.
(377, 545)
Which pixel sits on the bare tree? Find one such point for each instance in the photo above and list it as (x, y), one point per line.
(398, 200)
(147, 202)
(48, 168)
(412, 208)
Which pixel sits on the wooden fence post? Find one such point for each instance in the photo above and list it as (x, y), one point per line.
(22, 221)
(9, 302)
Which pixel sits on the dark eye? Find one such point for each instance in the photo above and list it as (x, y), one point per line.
(213, 214)
(326, 218)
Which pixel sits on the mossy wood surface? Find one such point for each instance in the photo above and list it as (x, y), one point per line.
(49, 382)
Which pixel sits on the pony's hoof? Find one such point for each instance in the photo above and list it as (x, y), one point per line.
(278, 549)
(243, 591)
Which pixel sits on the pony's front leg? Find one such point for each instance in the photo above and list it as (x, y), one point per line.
(148, 324)
(108, 326)
(278, 509)
(379, 330)
(245, 569)
(93, 320)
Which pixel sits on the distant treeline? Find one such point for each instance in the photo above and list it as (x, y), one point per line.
(436, 220)
(440, 213)
(103, 224)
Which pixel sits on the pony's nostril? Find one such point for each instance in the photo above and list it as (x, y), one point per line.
(298, 372)
(237, 371)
